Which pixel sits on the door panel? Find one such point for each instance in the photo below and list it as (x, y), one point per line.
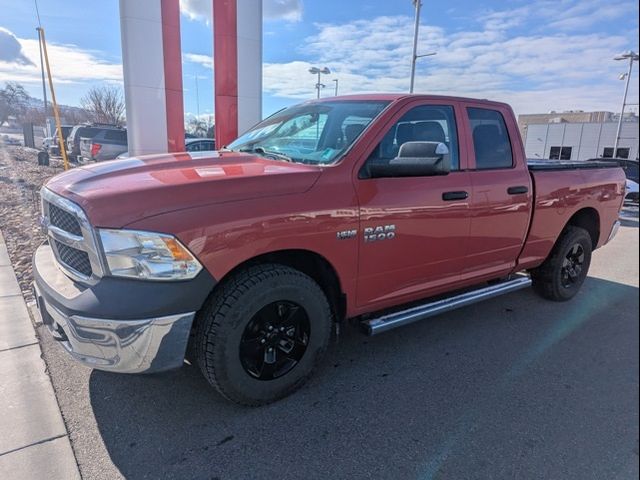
(499, 221)
(429, 244)
(502, 193)
(413, 230)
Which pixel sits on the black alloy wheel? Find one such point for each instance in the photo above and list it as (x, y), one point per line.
(562, 274)
(572, 266)
(262, 333)
(275, 340)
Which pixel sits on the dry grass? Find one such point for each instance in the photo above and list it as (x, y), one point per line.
(20, 180)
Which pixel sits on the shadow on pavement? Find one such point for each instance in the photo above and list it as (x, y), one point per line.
(512, 388)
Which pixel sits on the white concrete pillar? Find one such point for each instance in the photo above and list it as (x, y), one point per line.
(152, 64)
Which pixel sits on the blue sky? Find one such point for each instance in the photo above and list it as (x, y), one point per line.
(537, 55)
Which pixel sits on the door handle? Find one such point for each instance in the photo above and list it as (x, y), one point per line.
(519, 190)
(450, 196)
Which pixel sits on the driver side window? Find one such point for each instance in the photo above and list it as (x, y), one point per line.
(426, 123)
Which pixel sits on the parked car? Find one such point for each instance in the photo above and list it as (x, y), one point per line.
(632, 173)
(105, 145)
(191, 145)
(86, 131)
(7, 140)
(360, 208)
(46, 143)
(53, 147)
(632, 194)
(200, 144)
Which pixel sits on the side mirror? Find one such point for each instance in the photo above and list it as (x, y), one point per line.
(415, 159)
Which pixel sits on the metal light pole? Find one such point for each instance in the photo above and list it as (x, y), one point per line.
(197, 100)
(631, 56)
(44, 88)
(336, 91)
(416, 30)
(319, 71)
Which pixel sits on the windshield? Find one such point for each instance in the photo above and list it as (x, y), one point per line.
(315, 133)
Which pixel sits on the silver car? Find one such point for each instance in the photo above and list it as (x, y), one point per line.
(191, 145)
(105, 145)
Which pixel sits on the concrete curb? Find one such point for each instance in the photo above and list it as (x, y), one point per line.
(34, 441)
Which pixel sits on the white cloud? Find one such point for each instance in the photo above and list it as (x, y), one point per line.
(533, 71)
(288, 10)
(197, 9)
(10, 49)
(564, 15)
(69, 64)
(203, 60)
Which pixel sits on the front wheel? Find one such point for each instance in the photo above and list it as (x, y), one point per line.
(562, 274)
(260, 336)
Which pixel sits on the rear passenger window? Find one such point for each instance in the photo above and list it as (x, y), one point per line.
(490, 139)
(115, 135)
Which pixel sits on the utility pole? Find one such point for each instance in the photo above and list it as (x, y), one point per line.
(56, 114)
(633, 57)
(197, 100)
(416, 30)
(44, 87)
(336, 81)
(414, 57)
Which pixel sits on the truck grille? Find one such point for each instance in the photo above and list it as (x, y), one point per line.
(64, 220)
(74, 258)
(70, 236)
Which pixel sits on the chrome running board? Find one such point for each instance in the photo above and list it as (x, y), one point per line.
(374, 326)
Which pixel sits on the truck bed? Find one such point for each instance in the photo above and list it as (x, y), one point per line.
(543, 165)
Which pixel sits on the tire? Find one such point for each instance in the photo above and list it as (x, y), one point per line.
(562, 274)
(238, 315)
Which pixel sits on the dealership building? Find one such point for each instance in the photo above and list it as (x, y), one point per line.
(578, 135)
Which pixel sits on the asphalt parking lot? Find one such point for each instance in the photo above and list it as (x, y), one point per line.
(516, 387)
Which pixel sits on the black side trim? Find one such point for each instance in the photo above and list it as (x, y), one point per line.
(537, 165)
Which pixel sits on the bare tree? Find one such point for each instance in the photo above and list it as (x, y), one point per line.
(73, 115)
(201, 127)
(104, 104)
(14, 101)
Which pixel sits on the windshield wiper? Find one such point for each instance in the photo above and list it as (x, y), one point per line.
(267, 153)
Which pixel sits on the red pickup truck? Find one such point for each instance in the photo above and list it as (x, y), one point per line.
(380, 209)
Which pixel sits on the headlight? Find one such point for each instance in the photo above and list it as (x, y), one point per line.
(147, 255)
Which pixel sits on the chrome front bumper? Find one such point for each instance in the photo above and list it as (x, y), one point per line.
(125, 346)
(119, 325)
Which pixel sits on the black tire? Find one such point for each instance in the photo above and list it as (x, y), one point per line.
(560, 277)
(233, 310)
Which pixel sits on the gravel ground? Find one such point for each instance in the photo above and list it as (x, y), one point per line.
(20, 180)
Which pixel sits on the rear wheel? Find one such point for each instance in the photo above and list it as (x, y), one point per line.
(562, 274)
(262, 333)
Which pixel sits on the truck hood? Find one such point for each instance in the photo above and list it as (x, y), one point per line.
(119, 192)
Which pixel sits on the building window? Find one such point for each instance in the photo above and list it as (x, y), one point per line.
(560, 153)
(620, 153)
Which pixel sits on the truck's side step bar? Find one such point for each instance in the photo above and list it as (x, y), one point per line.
(373, 326)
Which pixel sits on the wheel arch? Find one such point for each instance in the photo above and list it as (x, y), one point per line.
(587, 218)
(308, 262)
